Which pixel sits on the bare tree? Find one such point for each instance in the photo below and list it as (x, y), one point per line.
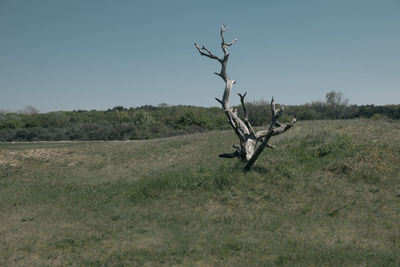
(30, 110)
(334, 98)
(251, 143)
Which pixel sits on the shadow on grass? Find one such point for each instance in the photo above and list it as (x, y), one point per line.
(260, 169)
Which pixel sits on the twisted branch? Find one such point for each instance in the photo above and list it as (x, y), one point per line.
(236, 123)
(272, 131)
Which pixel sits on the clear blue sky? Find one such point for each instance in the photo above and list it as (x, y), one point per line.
(92, 54)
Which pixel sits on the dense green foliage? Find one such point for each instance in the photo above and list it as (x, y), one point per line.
(114, 124)
(328, 195)
(147, 122)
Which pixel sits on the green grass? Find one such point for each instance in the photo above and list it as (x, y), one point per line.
(329, 194)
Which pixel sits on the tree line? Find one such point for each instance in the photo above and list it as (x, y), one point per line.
(147, 122)
(335, 107)
(118, 123)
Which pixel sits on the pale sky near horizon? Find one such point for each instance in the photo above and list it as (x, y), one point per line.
(94, 54)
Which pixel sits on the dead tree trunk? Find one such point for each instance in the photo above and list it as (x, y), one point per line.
(247, 151)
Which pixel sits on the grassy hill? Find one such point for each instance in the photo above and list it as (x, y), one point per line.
(329, 194)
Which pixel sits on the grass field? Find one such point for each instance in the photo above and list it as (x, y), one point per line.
(329, 194)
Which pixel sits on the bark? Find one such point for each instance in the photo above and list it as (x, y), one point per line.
(247, 151)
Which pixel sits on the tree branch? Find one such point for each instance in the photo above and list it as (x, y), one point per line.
(208, 54)
(246, 119)
(267, 134)
(224, 45)
(283, 128)
(243, 105)
(231, 43)
(230, 155)
(275, 131)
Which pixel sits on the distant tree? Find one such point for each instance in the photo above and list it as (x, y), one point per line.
(53, 119)
(336, 105)
(119, 108)
(163, 105)
(143, 119)
(334, 98)
(28, 110)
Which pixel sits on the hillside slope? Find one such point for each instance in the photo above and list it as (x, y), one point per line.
(329, 194)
